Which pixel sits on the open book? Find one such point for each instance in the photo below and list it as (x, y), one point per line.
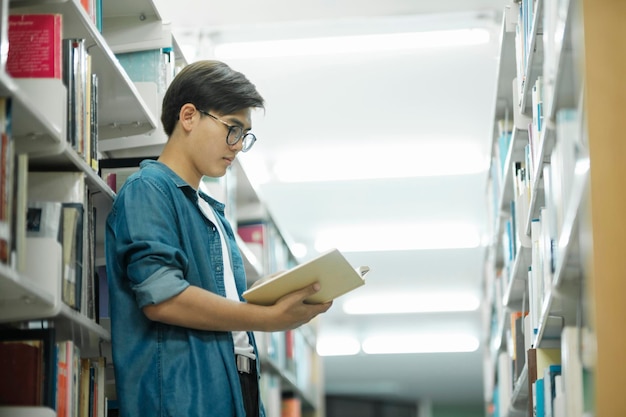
(331, 269)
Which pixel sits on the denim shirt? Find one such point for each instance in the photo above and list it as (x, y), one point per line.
(157, 244)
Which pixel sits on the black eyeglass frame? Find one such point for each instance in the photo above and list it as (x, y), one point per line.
(235, 133)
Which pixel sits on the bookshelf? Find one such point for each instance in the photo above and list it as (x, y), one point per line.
(290, 365)
(289, 359)
(555, 212)
(38, 129)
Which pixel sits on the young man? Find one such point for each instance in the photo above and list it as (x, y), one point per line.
(181, 333)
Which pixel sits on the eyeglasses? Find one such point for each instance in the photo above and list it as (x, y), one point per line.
(235, 134)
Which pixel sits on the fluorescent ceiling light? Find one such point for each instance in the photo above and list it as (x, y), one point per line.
(411, 303)
(425, 343)
(351, 44)
(365, 162)
(388, 237)
(337, 346)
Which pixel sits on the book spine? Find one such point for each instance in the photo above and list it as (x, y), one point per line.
(6, 180)
(74, 78)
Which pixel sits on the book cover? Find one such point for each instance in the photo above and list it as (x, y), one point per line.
(35, 46)
(84, 400)
(44, 219)
(291, 406)
(28, 363)
(18, 210)
(539, 399)
(331, 269)
(21, 362)
(72, 253)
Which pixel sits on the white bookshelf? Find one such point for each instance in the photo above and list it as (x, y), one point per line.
(38, 127)
(565, 297)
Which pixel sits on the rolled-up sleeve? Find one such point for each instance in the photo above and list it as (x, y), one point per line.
(160, 286)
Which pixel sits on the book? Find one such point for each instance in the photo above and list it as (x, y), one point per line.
(84, 387)
(44, 219)
(35, 46)
(28, 363)
(7, 161)
(68, 378)
(72, 253)
(99, 366)
(76, 69)
(539, 398)
(291, 406)
(331, 269)
(18, 210)
(4, 34)
(572, 369)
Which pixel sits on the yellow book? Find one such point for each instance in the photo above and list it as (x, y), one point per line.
(331, 269)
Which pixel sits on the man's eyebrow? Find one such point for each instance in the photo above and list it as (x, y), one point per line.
(238, 123)
(235, 121)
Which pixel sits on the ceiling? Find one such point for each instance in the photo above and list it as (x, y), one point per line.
(329, 110)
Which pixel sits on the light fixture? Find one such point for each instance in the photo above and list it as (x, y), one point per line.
(388, 237)
(411, 303)
(358, 161)
(350, 44)
(420, 343)
(337, 346)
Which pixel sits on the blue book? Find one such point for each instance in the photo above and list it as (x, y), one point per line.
(549, 376)
(539, 399)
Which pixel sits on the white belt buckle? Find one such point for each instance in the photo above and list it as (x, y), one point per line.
(243, 363)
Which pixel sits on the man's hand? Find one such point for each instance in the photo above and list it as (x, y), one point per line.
(292, 310)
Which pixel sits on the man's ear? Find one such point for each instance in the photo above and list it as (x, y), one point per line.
(186, 116)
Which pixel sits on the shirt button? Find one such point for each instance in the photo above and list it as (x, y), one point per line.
(218, 268)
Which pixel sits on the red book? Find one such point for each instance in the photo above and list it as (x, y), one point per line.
(22, 373)
(35, 46)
